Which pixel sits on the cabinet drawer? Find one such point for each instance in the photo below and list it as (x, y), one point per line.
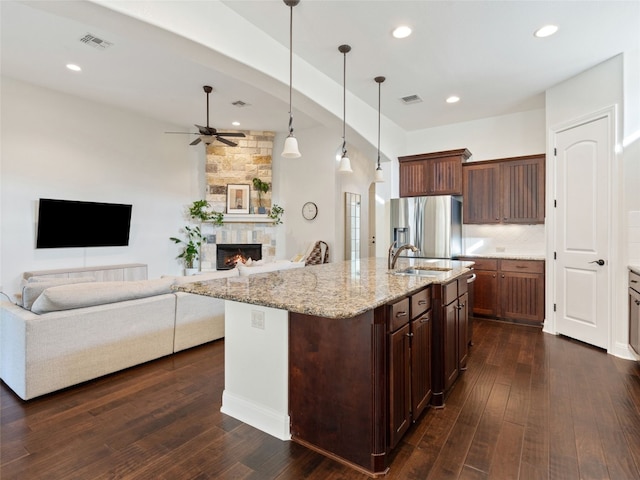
(634, 281)
(485, 263)
(420, 302)
(529, 266)
(449, 292)
(398, 314)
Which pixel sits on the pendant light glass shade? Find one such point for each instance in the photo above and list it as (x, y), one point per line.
(345, 163)
(379, 175)
(290, 149)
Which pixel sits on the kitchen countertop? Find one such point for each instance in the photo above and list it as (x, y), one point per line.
(508, 256)
(332, 290)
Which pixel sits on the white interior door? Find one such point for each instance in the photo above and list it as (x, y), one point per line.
(583, 155)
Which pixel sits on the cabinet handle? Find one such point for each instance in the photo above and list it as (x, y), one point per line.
(422, 302)
(502, 276)
(521, 266)
(426, 319)
(401, 314)
(634, 281)
(637, 302)
(410, 334)
(493, 276)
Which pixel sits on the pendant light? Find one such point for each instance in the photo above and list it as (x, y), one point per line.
(345, 163)
(379, 175)
(290, 149)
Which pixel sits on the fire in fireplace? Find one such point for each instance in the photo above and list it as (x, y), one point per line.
(229, 254)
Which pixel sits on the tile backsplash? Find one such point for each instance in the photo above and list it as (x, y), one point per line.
(509, 239)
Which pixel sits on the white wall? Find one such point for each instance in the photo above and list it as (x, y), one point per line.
(60, 146)
(594, 90)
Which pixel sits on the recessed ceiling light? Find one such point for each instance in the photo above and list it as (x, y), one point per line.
(402, 32)
(546, 31)
(453, 99)
(235, 124)
(73, 67)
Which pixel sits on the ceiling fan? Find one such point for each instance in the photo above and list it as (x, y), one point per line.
(209, 134)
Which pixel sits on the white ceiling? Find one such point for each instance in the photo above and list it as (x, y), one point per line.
(482, 51)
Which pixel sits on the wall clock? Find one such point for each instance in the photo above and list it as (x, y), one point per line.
(309, 210)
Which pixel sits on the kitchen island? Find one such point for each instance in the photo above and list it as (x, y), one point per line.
(320, 355)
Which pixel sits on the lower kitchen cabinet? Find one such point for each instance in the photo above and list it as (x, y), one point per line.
(409, 364)
(450, 343)
(509, 289)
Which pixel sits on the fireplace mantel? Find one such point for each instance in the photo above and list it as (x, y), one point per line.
(247, 218)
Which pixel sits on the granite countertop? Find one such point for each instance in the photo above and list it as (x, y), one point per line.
(635, 268)
(333, 290)
(507, 256)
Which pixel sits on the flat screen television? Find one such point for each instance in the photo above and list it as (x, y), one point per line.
(69, 223)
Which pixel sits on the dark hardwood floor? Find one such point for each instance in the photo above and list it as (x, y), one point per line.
(530, 406)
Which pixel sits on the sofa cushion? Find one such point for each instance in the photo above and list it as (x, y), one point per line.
(36, 285)
(203, 277)
(79, 295)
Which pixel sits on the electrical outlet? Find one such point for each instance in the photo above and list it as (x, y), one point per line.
(257, 319)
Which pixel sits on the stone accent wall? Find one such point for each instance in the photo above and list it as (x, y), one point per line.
(239, 165)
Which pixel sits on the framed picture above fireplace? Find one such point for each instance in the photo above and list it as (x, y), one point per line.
(237, 198)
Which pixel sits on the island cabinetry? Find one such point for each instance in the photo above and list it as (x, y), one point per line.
(437, 173)
(338, 387)
(409, 341)
(450, 336)
(504, 191)
(509, 289)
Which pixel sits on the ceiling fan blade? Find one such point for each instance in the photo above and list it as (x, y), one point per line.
(184, 133)
(196, 141)
(231, 134)
(226, 142)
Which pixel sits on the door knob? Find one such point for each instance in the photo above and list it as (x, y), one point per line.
(599, 262)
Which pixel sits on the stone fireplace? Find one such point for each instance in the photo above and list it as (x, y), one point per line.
(229, 254)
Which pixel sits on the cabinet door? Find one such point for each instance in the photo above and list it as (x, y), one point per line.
(522, 296)
(450, 344)
(463, 331)
(634, 320)
(481, 193)
(523, 191)
(399, 384)
(485, 293)
(413, 178)
(420, 364)
(445, 176)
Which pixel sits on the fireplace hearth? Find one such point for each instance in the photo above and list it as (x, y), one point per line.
(229, 254)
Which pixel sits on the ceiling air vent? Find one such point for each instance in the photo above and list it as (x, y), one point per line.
(409, 99)
(239, 103)
(95, 42)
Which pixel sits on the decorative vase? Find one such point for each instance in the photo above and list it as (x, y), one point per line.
(262, 210)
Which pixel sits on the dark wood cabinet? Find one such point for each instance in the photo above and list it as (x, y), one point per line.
(634, 311)
(509, 289)
(409, 342)
(504, 191)
(450, 344)
(437, 173)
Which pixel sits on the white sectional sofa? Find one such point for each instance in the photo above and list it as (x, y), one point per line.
(66, 333)
(71, 326)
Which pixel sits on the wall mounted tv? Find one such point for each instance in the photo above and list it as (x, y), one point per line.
(68, 224)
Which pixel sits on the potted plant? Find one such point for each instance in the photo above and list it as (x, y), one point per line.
(261, 187)
(201, 210)
(191, 252)
(275, 214)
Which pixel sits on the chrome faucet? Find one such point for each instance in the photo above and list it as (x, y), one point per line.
(393, 257)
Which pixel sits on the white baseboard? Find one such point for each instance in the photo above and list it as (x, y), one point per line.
(263, 418)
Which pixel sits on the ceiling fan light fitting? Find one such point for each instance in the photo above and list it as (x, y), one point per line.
(379, 175)
(290, 149)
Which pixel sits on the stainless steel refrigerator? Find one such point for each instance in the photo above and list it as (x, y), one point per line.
(432, 224)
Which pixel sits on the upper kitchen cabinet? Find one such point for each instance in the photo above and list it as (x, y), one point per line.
(437, 173)
(509, 190)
